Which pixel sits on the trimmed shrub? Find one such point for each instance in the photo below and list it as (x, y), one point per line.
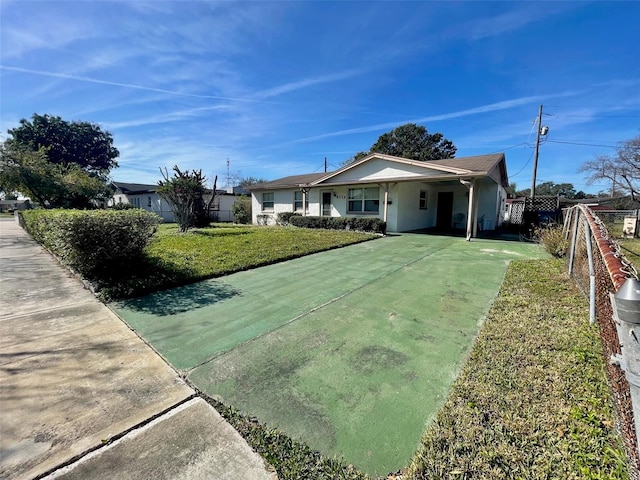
(374, 225)
(282, 218)
(93, 242)
(123, 206)
(241, 210)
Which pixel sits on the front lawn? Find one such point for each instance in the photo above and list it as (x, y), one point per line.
(175, 258)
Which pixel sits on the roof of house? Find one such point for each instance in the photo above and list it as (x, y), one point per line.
(133, 188)
(290, 181)
(479, 165)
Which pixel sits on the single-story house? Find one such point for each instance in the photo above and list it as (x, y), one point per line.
(146, 197)
(466, 193)
(13, 205)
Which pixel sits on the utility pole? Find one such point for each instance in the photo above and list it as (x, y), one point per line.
(325, 164)
(535, 158)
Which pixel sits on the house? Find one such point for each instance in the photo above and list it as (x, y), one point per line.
(466, 193)
(13, 205)
(146, 197)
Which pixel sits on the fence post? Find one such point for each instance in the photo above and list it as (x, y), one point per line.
(592, 273)
(626, 311)
(567, 223)
(574, 239)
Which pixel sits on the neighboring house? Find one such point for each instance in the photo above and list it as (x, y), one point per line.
(13, 205)
(465, 193)
(146, 197)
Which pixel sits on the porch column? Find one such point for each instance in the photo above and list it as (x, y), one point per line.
(386, 199)
(385, 210)
(475, 211)
(304, 201)
(470, 185)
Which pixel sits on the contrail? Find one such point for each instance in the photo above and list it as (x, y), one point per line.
(124, 85)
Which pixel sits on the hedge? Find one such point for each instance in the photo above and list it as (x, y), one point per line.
(374, 225)
(92, 242)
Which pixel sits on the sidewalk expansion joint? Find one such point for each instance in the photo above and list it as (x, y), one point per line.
(116, 437)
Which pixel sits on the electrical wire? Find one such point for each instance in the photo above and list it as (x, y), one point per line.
(523, 167)
(580, 143)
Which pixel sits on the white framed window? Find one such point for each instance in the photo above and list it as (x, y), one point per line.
(364, 200)
(297, 201)
(424, 200)
(149, 202)
(267, 201)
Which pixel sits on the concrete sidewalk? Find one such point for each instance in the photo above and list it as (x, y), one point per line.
(81, 396)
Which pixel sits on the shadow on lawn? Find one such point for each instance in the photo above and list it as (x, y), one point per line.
(183, 299)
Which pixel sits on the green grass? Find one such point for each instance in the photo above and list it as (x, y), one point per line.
(175, 258)
(533, 399)
(631, 250)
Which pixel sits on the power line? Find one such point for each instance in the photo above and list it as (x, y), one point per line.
(584, 144)
(523, 167)
(591, 116)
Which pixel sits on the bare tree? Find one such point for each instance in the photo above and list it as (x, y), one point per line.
(621, 169)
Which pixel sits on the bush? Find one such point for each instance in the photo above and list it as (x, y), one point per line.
(553, 240)
(93, 242)
(374, 225)
(123, 206)
(283, 218)
(241, 210)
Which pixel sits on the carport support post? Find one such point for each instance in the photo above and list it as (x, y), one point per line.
(386, 200)
(304, 201)
(470, 185)
(385, 210)
(475, 210)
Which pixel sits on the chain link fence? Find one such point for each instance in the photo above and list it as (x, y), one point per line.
(597, 265)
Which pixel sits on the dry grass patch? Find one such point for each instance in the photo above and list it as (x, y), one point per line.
(533, 400)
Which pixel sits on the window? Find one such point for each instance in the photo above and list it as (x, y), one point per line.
(297, 201)
(149, 202)
(267, 201)
(423, 200)
(364, 200)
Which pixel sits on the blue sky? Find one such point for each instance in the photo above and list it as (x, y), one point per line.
(275, 87)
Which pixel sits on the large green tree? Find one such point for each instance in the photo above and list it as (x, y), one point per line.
(414, 142)
(56, 162)
(50, 184)
(80, 143)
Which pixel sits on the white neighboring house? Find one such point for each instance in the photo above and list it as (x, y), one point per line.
(466, 193)
(146, 197)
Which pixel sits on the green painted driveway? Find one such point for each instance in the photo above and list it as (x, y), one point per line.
(350, 350)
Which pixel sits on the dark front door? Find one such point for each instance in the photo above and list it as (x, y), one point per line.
(444, 212)
(326, 204)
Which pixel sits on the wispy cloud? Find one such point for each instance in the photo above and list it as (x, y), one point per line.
(119, 84)
(308, 82)
(492, 107)
(177, 116)
(521, 15)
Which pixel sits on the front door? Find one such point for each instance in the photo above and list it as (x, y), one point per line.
(444, 213)
(326, 204)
